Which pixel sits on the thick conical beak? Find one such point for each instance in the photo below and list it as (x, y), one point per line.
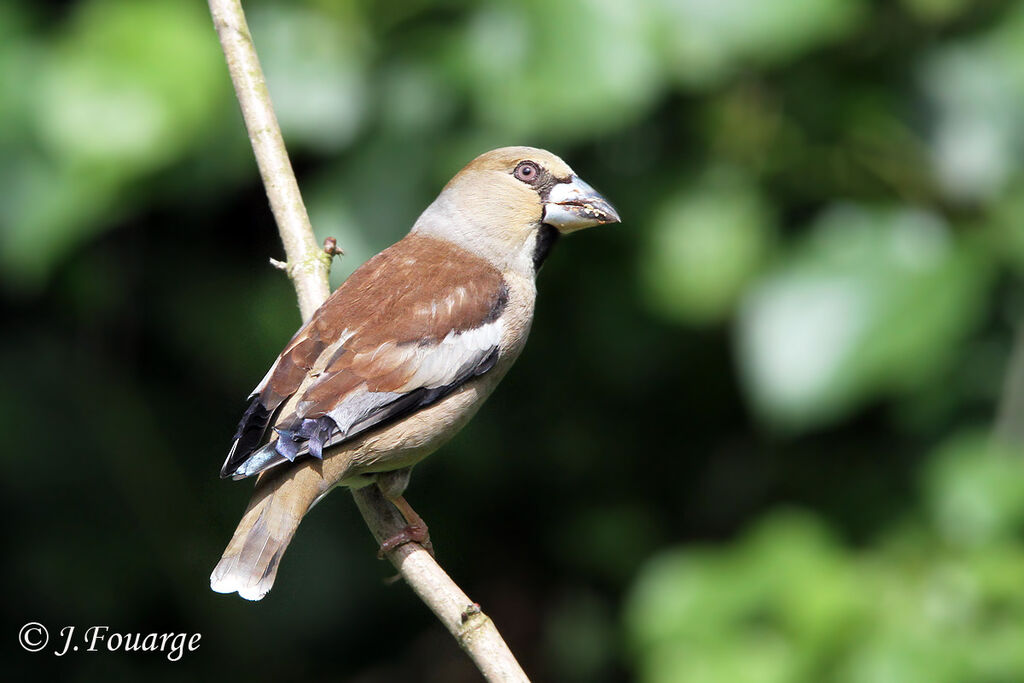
(574, 205)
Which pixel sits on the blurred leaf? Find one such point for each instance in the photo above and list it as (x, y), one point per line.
(704, 246)
(739, 614)
(707, 41)
(674, 587)
(975, 491)
(977, 89)
(126, 88)
(1004, 229)
(893, 660)
(18, 51)
(129, 83)
(937, 10)
(755, 659)
(921, 605)
(876, 301)
(49, 211)
(415, 97)
(807, 583)
(315, 62)
(560, 70)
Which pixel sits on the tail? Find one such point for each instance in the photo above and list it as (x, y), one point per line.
(249, 564)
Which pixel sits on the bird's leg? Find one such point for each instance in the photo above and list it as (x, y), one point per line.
(416, 530)
(392, 485)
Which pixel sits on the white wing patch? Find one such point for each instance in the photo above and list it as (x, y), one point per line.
(453, 360)
(441, 364)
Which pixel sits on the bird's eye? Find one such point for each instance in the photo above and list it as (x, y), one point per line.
(527, 171)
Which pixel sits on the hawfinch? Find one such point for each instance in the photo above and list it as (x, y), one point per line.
(402, 354)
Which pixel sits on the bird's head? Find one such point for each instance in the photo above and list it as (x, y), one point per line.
(510, 203)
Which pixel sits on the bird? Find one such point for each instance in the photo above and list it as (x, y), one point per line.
(401, 355)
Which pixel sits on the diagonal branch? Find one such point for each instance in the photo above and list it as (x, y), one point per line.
(308, 266)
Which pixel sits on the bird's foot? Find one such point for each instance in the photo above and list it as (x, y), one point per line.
(413, 533)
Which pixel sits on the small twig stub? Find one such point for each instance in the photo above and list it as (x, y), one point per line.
(332, 248)
(470, 611)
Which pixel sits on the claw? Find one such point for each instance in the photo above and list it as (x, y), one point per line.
(413, 533)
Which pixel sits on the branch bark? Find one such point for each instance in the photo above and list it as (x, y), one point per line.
(309, 266)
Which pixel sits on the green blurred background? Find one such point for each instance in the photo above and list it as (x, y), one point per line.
(751, 439)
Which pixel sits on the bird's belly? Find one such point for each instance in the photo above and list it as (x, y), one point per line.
(410, 440)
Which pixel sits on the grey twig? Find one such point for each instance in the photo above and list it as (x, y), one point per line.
(309, 266)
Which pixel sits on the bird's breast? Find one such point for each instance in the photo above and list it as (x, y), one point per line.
(517, 317)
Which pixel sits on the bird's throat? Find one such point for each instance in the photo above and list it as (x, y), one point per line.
(546, 237)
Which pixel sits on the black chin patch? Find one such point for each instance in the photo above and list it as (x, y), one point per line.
(547, 235)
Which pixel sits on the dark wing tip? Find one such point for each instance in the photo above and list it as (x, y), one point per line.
(231, 463)
(248, 436)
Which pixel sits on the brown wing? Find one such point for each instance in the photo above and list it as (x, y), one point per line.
(409, 326)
